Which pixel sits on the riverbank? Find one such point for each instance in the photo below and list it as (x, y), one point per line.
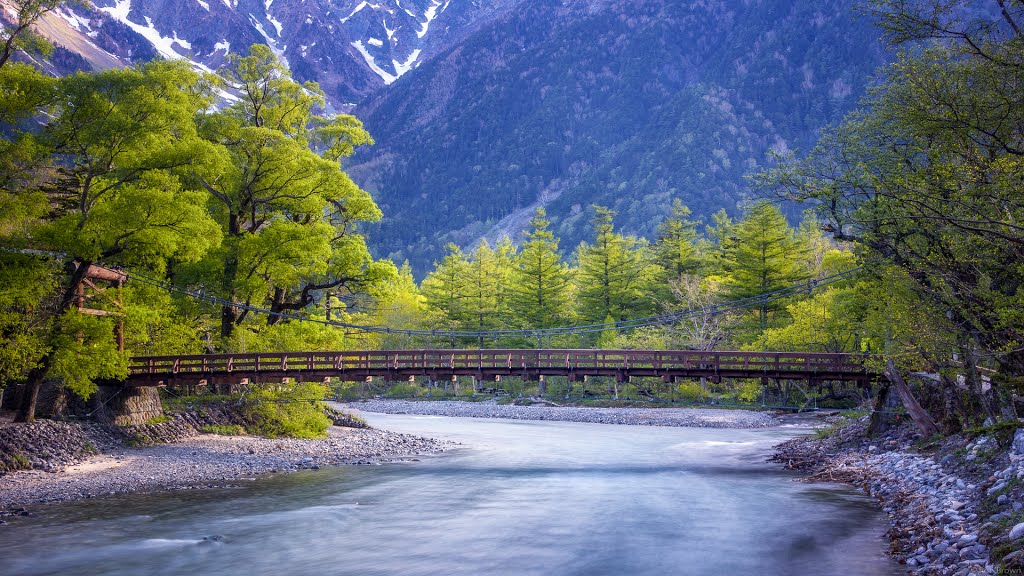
(689, 417)
(73, 461)
(956, 507)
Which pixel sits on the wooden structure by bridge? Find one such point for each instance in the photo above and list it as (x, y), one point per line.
(436, 365)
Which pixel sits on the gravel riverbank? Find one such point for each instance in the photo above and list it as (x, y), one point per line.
(691, 417)
(956, 508)
(73, 461)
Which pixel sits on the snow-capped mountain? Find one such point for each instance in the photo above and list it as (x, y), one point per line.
(351, 47)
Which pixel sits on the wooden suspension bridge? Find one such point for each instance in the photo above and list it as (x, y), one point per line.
(494, 364)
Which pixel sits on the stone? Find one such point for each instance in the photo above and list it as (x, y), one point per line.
(967, 539)
(1002, 499)
(1018, 442)
(1017, 531)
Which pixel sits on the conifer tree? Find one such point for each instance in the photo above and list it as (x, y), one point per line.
(614, 277)
(540, 279)
(763, 256)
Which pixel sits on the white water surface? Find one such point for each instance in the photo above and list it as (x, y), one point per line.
(520, 497)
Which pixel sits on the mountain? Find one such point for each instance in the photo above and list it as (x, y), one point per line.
(483, 110)
(351, 47)
(626, 103)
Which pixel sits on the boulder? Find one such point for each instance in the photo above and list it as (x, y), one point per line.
(1017, 531)
(1018, 442)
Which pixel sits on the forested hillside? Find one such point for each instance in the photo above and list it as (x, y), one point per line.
(628, 104)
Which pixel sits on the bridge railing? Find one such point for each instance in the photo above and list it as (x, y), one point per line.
(501, 360)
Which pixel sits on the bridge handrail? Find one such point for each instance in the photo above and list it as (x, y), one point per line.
(496, 358)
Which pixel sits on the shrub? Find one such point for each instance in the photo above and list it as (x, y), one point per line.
(691, 391)
(292, 410)
(748, 391)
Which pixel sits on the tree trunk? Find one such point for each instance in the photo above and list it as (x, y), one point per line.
(923, 420)
(882, 416)
(27, 407)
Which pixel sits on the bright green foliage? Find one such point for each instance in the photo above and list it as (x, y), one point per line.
(401, 305)
(614, 276)
(829, 321)
(291, 410)
(97, 183)
(927, 176)
(288, 212)
(25, 283)
(445, 289)
(156, 324)
(84, 351)
(482, 301)
(676, 249)
(117, 136)
(762, 257)
(540, 280)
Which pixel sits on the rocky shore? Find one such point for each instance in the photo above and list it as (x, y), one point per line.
(956, 508)
(71, 461)
(691, 417)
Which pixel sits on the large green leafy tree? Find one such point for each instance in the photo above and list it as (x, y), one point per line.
(288, 213)
(762, 256)
(102, 190)
(614, 274)
(927, 175)
(540, 279)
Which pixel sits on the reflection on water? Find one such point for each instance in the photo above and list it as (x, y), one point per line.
(520, 498)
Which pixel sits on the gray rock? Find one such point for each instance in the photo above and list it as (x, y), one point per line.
(1018, 442)
(1017, 531)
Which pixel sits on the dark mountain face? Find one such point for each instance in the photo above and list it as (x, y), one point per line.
(626, 103)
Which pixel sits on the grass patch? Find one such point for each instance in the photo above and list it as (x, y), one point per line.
(1003, 432)
(161, 419)
(223, 429)
(9, 462)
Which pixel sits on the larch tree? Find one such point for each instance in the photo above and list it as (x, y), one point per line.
(762, 256)
(540, 279)
(614, 274)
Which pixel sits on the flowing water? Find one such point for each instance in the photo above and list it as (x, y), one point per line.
(520, 498)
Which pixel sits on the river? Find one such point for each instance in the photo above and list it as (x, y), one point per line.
(521, 497)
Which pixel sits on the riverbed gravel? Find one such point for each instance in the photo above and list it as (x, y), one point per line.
(955, 510)
(690, 417)
(202, 460)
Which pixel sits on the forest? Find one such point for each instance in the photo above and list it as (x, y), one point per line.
(223, 198)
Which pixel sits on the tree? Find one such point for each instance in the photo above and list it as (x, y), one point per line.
(763, 256)
(926, 176)
(675, 249)
(21, 37)
(110, 197)
(482, 302)
(614, 276)
(539, 280)
(703, 326)
(288, 213)
(445, 290)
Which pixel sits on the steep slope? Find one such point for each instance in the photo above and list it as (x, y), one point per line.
(628, 103)
(351, 47)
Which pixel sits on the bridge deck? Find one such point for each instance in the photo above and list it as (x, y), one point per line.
(396, 365)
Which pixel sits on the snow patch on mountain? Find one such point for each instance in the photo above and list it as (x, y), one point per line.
(163, 44)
